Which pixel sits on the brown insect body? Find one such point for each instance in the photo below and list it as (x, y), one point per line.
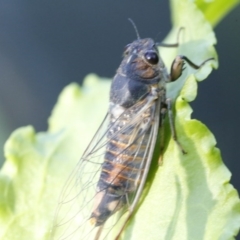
(134, 87)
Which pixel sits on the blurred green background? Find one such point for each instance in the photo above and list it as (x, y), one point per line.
(45, 45)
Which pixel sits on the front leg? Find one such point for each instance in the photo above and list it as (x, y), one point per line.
(161, 123)
(176, 71)
(178, 66)
(167, 107)
(172, 124)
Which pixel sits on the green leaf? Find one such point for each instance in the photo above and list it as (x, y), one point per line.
(216, 10)
(38, 164)
(188, 197)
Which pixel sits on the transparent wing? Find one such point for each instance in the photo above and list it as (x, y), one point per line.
(78, 197)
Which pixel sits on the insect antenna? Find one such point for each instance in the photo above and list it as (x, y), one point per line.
(135, 28)
(157, 35)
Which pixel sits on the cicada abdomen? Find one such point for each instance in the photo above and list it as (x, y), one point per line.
(123, 162)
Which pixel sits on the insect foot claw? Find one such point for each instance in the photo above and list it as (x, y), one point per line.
(184, 152)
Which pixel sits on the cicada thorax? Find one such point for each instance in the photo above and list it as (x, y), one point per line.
(134, 92)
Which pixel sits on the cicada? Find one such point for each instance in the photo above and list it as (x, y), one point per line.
(106, 185)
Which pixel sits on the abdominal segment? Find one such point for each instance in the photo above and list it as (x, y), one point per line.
(121, 170)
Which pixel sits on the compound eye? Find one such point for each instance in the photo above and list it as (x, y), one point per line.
(151, 57)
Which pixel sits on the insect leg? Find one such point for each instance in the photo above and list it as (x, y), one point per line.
(178, 66)
(161, 127)
(172, 44)
(172, 125)
(125, 223)
(98, 234)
